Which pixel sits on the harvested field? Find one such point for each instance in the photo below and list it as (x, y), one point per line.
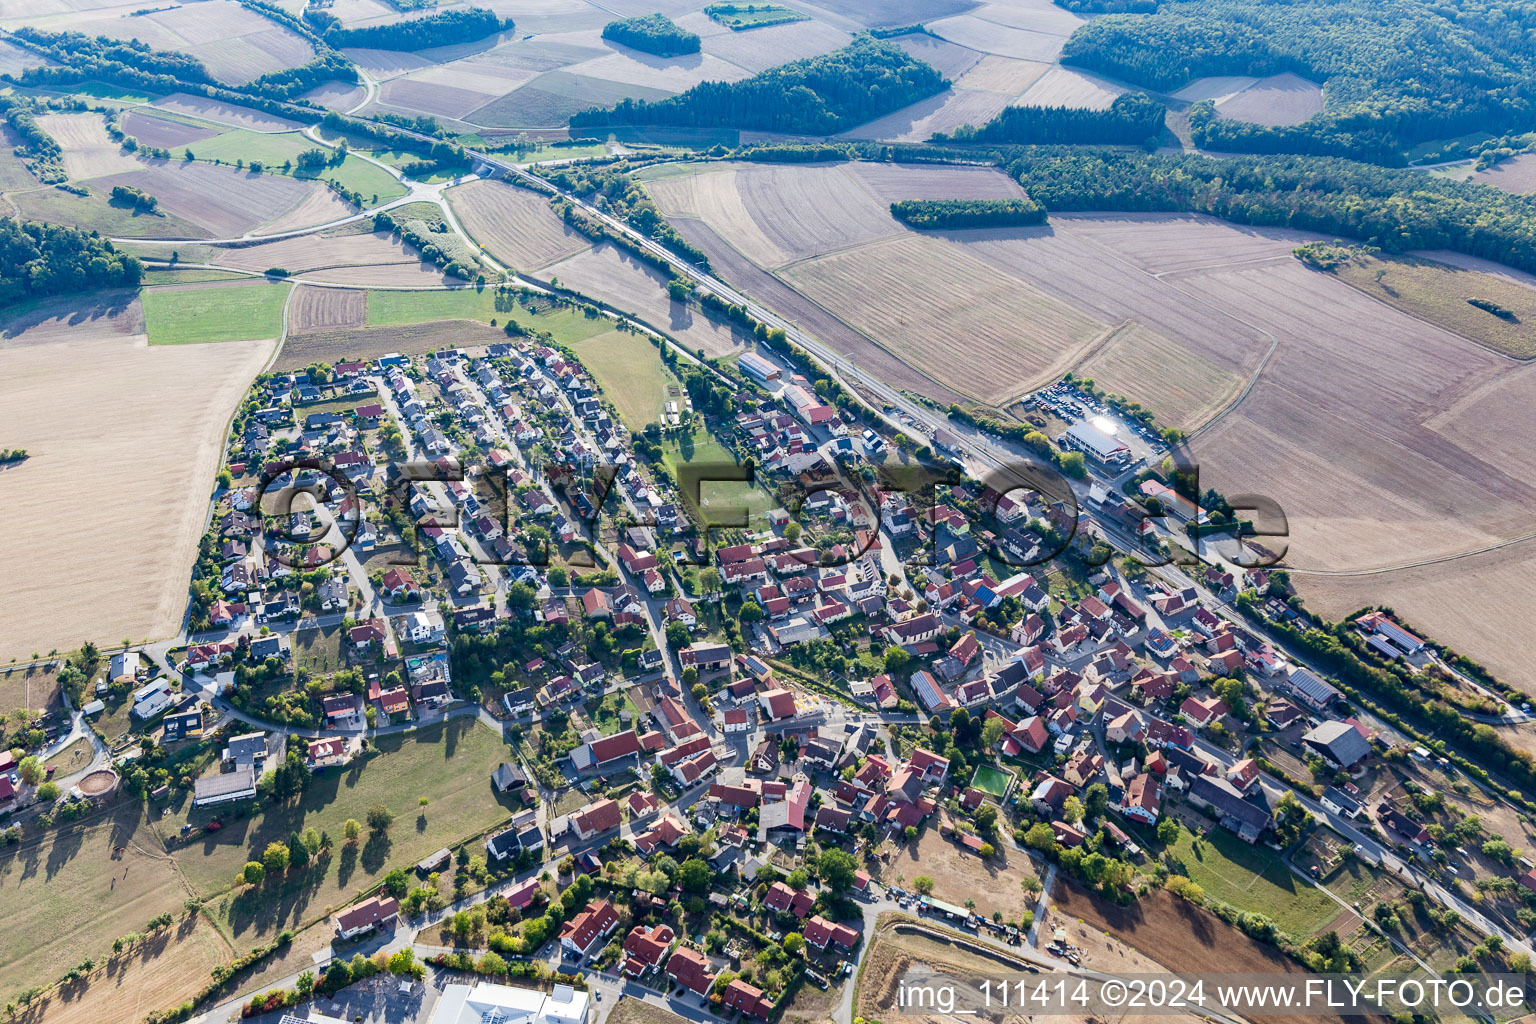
(389, 275)
(1517, 174)
(988, 37)
(337, 95)
(372, 342)
(60, 379)
(942, 113)
(384, 64)
(222, 201)
(1035, 15)
(1214, 87)
(170, 969)
(1478, 604)
(665, 74)
(613, 276)
(321, 309)
(88, 151)
(1438, 292)
(1064, 87)
(908, 292)
(160, 131)
(303, 253)
(1002, 75)
(759, 208)
(1277, 100)
(226, 113)
(895, 12)
(68, 895)
(320, 207)
(762, 48)
(1185, 389)
(14, 60)
(952, 59)
(959, 875)
(516, 226)
(549, 100)
(236, 44)
(431, 98)
(1349, 379)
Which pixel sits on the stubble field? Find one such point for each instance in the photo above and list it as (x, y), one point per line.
(124, 506)
(236, 44)
(516, 226)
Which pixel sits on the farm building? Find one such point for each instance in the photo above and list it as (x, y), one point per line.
(758, 368)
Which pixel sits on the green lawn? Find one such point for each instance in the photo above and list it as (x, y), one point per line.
(232, 312)
(318, 650)
(629, 370)
(1251, 878)
(992, 781)
(394, 308)
(450, 764)
(606, 714)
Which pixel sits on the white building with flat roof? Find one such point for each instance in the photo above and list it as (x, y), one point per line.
(1095, 443)
(503, 1004)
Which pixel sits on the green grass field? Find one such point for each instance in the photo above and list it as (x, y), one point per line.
(1251, 878)
(630, 371)
(232, 312)
(450, 764)
(992, 781)
(238, 144)
(720, 501)
(400, 308)
(95, 212)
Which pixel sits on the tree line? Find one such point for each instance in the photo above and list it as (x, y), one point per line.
(1394, 209)
(460, 25)
(816, 96)
(1398, 72)
(930, 214)
(1132, 119)
(43, 259)
(652, 33)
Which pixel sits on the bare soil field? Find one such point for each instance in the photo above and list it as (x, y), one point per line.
(68, 895)
(895, 12)
(1147, 367)
(88, 151)
(303, 253)
(959, 875)
(336, 95)
(1214, 87)
(1065, 87)
(1276, 100)
(226, 113)
(549, 100)
(431, 97)
(1517, 174)
(949, 315)
(320, 207)
(221, 200)
(613, 276)
(1036, 15)
(332, 346)
(989, 37)
(1439, 292)
(387, 275)
(322, 309)
(161, 131)
(952, 59)
(60, 379)
(516, 226)
(759, 49)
